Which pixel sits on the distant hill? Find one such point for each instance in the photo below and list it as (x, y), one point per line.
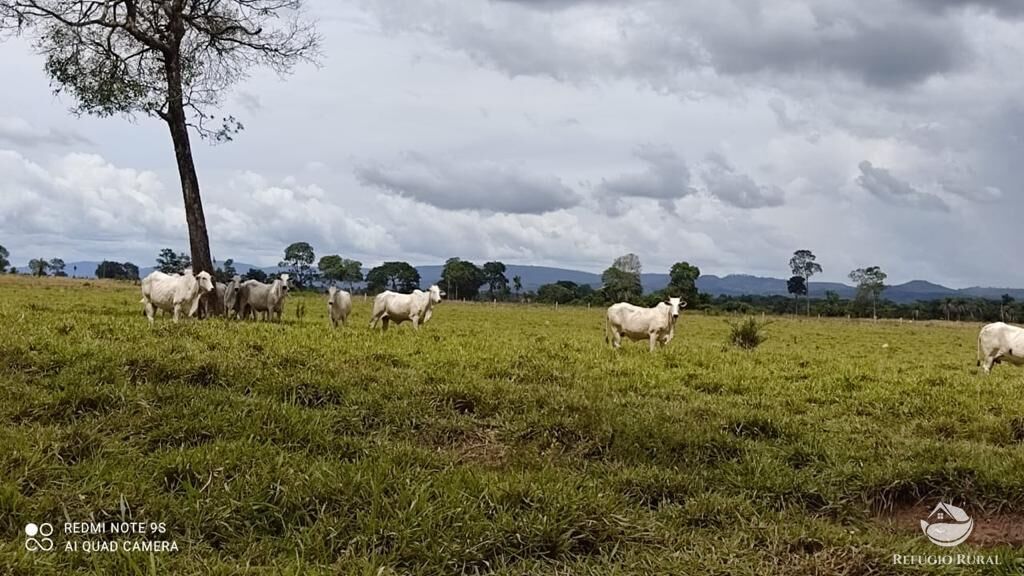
(534, 277)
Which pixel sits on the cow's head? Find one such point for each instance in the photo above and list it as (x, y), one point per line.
(676, 304)
(205, 282)
(286, 282)
(435, 294)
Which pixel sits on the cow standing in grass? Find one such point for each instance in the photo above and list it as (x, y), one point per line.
(266, 298)
(394, 307)
(232, 302)
(339, 305)
(174, 293)
(999, 341)
(656, 324)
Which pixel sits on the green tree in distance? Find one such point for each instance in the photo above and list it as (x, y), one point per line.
(797, 286)
(802, 264)
(870, 282)
(299, 258)
(38, 266)
(683, 281)
(171, 262)
(494, 276)
(396, 276)
(621, 282)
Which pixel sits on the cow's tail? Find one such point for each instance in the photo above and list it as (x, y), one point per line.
(979, 345)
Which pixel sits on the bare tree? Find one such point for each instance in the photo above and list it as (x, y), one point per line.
(169, 59)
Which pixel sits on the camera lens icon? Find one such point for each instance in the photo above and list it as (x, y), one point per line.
(43, 543)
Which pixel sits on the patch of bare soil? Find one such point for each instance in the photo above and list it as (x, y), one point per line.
(1006, 529)
(483, 447)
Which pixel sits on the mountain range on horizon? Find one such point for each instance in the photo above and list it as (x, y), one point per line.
(729, 285)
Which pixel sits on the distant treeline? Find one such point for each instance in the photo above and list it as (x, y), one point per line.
(1006, 309)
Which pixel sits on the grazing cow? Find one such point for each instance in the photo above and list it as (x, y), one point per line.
(656, 324)
(394, 307)
(231, 300)
(339, 305)
(266, 298)
(998, 342)
(174, 292)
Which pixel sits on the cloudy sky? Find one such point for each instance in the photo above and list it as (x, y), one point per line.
(567, 132)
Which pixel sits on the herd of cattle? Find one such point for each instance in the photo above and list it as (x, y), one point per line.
(178, 293)
(183, 293)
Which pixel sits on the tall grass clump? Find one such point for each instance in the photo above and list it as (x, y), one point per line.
(747, 334)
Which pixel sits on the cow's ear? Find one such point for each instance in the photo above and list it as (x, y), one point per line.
(682, 303)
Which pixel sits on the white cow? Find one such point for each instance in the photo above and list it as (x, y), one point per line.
(231, 297)
(339, 304)
(266, 298)
(394, 307)
(656, 324)
(999, 341)
(174, 292)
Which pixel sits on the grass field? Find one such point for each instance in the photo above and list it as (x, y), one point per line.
(502, 439)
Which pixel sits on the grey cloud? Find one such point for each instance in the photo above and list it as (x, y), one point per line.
(890, 55)
(489, 186)
(1006, 8)
(724, 182)
(19, 132)
(972, 192)
(888, 188)
(662, 43)
(665, 177)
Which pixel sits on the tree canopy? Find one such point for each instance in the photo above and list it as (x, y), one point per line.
(683, 281)
(299, 258)
(117, 270)
(337, 269)
(170, 262)
(494, 276)
(462, 279)
(38, 266)
(397, 276)
(621, 282)
(870, 282)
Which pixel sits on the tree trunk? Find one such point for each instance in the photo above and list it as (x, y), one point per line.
(199, 241)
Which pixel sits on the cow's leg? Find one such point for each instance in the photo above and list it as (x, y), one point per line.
(150, 312)
(415, 323)
(177, 311)
(616, 339)
(384, 323)
(654, 340)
